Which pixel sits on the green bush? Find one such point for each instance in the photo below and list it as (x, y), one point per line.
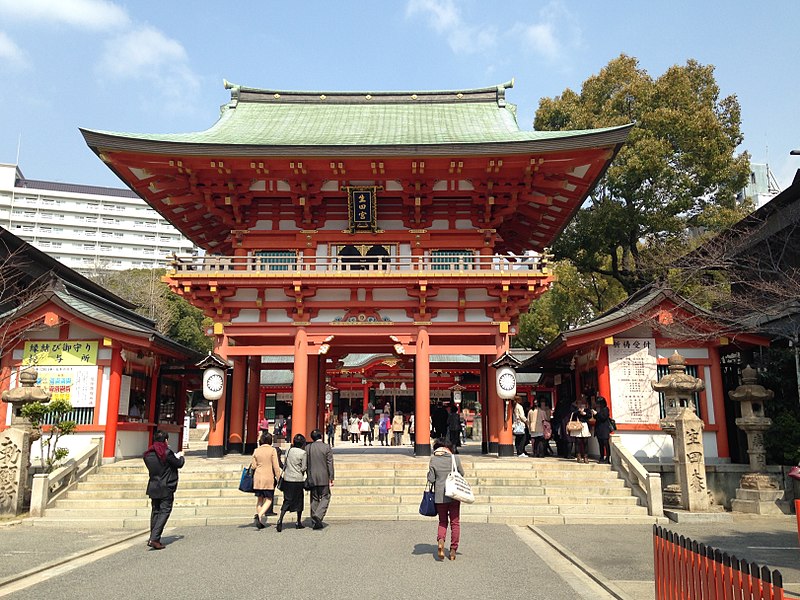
(40, 414)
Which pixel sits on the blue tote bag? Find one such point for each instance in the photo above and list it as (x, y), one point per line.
(246, 482)
(427, 508)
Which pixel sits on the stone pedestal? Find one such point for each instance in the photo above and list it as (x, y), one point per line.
(15, 444)
(760, 494)
(691, 461)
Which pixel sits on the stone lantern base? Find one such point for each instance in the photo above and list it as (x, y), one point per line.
(760, 494)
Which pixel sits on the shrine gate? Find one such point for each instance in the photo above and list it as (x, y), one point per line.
(333, 223)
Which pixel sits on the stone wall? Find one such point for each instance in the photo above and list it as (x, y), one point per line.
(723, 479)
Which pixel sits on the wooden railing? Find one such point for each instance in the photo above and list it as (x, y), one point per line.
(644, 485)
(687, 570)
(49, 486)
(276, 264)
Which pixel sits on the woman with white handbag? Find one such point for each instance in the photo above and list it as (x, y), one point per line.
(443, 463)
(518, 425)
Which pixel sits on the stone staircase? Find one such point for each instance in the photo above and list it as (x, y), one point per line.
(510, 491)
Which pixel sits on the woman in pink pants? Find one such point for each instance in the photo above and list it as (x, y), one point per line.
(448, 509)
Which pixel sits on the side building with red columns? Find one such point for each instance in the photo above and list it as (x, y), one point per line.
(123, 378)
(618, 355)
(334, 223)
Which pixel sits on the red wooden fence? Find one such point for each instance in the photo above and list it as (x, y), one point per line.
(686, 570)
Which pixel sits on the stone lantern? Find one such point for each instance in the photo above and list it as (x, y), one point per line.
(15, 444)
(758, 492)
(682, 424)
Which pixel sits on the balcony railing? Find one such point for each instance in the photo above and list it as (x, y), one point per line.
(275, 264)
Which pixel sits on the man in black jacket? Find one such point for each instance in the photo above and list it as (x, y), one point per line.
(162, 465)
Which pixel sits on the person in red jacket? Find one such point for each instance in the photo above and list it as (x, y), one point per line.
(162, 465)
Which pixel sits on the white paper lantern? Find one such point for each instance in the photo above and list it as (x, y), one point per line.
(213, 383)
(506, 383)
(329, 397)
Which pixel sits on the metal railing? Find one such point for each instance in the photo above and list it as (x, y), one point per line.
(645, 486)
(685, 569)
(49, 486)
(276, 264)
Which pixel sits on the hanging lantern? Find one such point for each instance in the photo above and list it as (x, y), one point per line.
(506, 377)
(329, 397)
(213, 376)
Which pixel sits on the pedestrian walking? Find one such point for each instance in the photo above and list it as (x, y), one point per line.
(454, 428)
(383, 429)
(331, 429)
(320, 477)
(397, 428)
(602, 428)
(267, 470)
(412, 431)
(162, 465)
(446, 508)
(294, 478)
(582, 415)
(518, 424)
(354, 428)
(365, 427)
(537, 417)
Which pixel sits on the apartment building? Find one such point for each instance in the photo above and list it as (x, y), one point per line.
(87, 227)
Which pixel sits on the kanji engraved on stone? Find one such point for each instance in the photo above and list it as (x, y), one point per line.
(697, 481)
(9, 458)
(692, 437)
(694, 457)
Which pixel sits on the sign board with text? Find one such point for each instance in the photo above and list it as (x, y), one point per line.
(633, 364)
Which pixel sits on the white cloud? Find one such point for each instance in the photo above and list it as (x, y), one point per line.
(147, 54)
(10, 53)
(552, 33)
(445, 18)
(83, 14)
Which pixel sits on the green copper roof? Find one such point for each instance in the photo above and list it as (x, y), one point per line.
(256, 117)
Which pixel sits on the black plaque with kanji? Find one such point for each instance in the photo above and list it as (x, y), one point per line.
(362, 205)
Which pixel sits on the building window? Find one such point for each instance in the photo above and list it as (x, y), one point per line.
(276, 260)
(449, 260)
(662, 370)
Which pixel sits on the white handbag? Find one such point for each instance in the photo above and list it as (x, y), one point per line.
(456, 487)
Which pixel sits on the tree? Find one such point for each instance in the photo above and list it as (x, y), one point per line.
(573, 299)
(678, 168)
(52, 413)
(173, 316)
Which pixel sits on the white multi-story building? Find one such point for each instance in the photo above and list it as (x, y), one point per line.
(87, 227)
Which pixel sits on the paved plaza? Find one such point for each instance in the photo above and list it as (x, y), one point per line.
(366, 559)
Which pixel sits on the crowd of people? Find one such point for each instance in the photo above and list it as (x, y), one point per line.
(309, 466)
(538, 427)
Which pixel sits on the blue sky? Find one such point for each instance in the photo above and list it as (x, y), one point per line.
(157, 66)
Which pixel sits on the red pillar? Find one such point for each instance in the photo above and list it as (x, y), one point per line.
(112, 413)
(422, 392)
(718, 392)
(364, 397)
(5, 383)
(489, 421)
(253, 403)
(313, 395)
(604, 377)
(238, 386)
(300, 383)
(216, 433)
(505, 437)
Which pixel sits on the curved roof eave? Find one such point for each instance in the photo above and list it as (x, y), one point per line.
(101, 141)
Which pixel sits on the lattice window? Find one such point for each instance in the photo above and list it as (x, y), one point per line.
(449, 260)
(276, 260)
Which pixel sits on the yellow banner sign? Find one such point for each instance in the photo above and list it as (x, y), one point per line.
(57, 353)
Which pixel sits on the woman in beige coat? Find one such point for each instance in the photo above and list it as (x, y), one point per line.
(267, 470)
